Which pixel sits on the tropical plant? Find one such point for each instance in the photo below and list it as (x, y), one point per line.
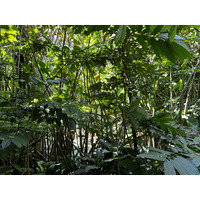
(103, 99)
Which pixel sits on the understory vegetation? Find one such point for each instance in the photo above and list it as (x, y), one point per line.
(101, 100)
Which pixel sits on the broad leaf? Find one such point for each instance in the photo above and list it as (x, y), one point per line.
(180, 49)
(25, 66)
(157, 29)
(184, 166)
(65, 120)
(166, 50)
(106, 145)
(165, 36)
(6, 143)
(72, 124)
(169, 168)
(162, 48)
(196, 161)
(20, 140)
(86, 170)
(133, 121)
(155, 46)
(140, 114)
(160, 151)
(142, 41)
(172, 33)
(153, 156)
(121, 34)
(134, 105)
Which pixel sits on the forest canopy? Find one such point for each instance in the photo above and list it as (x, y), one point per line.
(99, 99)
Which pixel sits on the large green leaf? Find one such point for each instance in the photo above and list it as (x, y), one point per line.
(184, 166)
(21, 140)
(133, 121)
(44, 67)
(140, 114)
(172, 33)
(152, 27)
(121, 34)
(6, 143)
(196, 161)
(165, 36)
(142, 40)
(162, 48)
(166, 50)
(72, 124)
(196, 140)
(180, 49)
(155, 47)
(26, 67)
(160, 151)
(65, 119)
(169, 168)
(106, 145)
(86, 169)
(130, 164)
(157, 29)
(153, 156)
(192, 122)
(134, 105)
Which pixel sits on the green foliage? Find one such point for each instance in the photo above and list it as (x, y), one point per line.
(102, 99)
(169, 168)
(121, 34)
(185, 167)
(172, 33)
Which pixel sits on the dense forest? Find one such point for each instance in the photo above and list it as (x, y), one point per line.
(99, 99)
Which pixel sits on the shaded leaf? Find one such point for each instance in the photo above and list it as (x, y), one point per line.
(169, 168)
(180, 49)
(160, 151)
(133, 121)
(172, 33)
(17, 167)
(166, 50)
(20, 140)
(72, 124)
(140, 114)
(134, 105)
(121, 34)
(165, 36)
(106, 145)
(25, 66)
(184, 166)
(6, 143)
(142, 41)
(86, 170)
(155, 46)
(196, 161)
(65, 120)
(157, 29)
(153, 156)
